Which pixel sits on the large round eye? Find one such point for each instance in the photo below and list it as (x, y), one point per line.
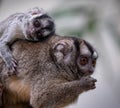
(36, 23)
(94, 63)
(83, 60)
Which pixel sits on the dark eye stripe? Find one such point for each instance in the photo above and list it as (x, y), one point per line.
(43, 16)
(89, 47)
(76, 43)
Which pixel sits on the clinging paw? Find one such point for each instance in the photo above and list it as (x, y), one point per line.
(11, 66)
(88, 83)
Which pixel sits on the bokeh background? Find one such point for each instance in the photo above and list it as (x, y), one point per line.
(97, 21)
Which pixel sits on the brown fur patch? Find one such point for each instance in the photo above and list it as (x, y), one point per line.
(17, 90)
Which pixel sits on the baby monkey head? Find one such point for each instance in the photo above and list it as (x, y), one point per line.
(75, 56)
(39, 25)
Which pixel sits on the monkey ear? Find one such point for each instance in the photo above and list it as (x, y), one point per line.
(62, 51)
(36, 11)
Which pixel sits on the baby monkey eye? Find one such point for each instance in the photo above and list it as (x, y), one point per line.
(83, 60)
(36, 23)
(94, 63)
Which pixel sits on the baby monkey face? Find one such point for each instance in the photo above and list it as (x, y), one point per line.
(40, 26)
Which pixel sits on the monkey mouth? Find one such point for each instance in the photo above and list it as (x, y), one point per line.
(39, 35)
(33, 36)
(81, 73)
(30, 37)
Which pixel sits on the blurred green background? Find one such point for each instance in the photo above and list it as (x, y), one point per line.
(97, 21)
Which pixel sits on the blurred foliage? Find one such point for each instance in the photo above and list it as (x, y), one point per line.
(70, 11)
(75, 11)
(92, 23)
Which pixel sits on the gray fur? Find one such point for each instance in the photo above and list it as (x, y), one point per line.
(21, 26)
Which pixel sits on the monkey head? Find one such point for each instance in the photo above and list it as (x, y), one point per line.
(77, 55)
(39, 25)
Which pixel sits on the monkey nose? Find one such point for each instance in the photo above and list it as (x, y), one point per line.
(39, 35)
(91, 71)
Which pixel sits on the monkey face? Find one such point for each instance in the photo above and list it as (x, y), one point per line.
(39, 26)
(86, 60)
(76, 56)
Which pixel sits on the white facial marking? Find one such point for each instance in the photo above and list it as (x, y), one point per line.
(46, 33)
(84, 50)
(95, 55)
(44, 22)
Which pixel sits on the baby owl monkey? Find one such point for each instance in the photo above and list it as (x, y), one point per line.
(34, 25)
(52, 75)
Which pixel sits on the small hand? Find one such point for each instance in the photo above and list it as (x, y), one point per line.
(88, 83)
(11, 66)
